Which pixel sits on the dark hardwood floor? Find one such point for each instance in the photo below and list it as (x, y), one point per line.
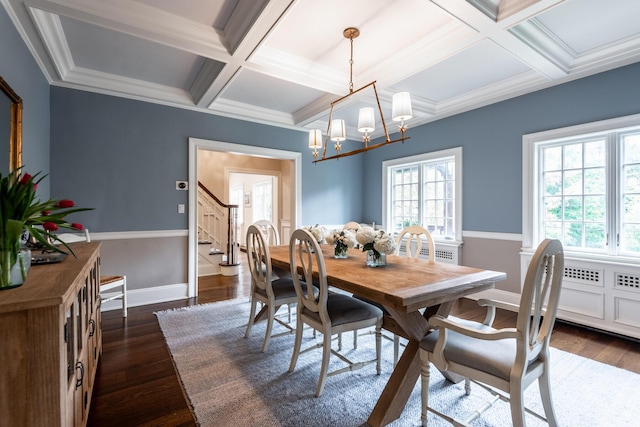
(136, 384)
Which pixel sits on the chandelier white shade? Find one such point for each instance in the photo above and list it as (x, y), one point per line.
(315, 139)
(366, 120)
(401, 107)
(336, 127)
(338, 130)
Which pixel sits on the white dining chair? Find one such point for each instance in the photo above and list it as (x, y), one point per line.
(272, 237)
(269, 230)
(503, 361)
(415, 233)
(271, 293)
(112, 287)
(327, 312)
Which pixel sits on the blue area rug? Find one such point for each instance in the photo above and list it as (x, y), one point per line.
(228, 382)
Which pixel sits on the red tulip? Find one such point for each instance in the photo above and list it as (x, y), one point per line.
(50, 226)
(76, 225)
(65, 203)
(26, 179)
(46, 213)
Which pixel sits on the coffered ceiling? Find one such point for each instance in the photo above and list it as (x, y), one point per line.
(282, 62)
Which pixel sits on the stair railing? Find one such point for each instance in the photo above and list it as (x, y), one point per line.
(217, 223)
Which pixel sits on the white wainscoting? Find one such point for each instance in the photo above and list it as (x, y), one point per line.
(449, 253)
(601, 294)
(155, 263)
(285, 231)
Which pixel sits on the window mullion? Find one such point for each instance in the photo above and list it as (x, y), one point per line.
(613, 199)
(421, 193)
(538, 196)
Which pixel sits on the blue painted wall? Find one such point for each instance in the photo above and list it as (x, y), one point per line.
(491, 138)
(122, 157)
(21, 72)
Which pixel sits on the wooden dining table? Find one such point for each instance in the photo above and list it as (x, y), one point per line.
(411, 291)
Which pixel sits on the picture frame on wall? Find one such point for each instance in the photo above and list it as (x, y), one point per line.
(247, 200)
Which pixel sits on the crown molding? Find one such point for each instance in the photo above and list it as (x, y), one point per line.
(140, 20)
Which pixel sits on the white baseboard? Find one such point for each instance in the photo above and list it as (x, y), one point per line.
(208, 270)
(153, 295)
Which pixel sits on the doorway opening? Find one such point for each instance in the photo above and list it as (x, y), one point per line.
(262, 177)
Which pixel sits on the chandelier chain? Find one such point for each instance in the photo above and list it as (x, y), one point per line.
(351, 68)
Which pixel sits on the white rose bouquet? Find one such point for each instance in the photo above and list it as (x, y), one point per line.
(379, 242)
(317, 231)
(386, 244)
(342, 240)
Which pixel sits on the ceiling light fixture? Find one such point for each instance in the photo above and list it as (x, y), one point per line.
(336, 129)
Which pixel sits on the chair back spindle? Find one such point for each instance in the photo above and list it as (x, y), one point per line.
(258, 259)
(269, 231)
(540, 296)
(304, 253)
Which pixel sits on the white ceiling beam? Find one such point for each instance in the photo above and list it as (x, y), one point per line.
(209, 95)
(487, 27)
(512, 12)
(243, 47)
(142, 21)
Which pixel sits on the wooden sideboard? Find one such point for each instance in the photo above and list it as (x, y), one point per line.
(50, 342)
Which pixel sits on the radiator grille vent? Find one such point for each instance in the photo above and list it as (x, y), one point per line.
(442, 255)
(582, 274)
(628, 281)
(448, 255)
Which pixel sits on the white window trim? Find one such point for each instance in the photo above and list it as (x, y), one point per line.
(456, 153)
(530, 202)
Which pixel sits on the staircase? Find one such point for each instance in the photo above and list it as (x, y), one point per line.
(209, 260)
(217, 240)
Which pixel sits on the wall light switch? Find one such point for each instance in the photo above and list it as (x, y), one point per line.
(180, 208)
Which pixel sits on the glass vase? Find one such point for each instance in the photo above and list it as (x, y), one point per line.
(340, 252)
(13, 274)
(376, 259)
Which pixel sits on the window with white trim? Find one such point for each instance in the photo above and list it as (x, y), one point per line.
(424, 190)
(582, 186)
(262, 201)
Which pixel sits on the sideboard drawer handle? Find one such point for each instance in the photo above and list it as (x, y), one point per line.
(79, 380)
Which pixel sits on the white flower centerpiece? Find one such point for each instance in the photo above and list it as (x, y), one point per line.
(377, 244)
(318, 232)
(342, 240)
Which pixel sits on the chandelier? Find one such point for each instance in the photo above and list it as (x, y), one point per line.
(336, 129)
